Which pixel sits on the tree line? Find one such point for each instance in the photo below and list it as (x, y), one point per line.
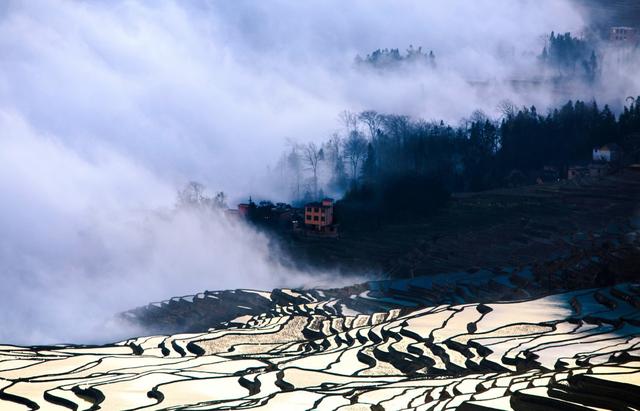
(376, 153)
(388, 167)
(570, 56)
(394, 58)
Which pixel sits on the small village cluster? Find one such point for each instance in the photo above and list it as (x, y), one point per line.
(605, 160)
(315, 219)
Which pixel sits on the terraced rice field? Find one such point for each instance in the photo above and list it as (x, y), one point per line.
(313, 350)
(553, 324)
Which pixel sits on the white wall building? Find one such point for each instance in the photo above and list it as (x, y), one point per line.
(609, 153)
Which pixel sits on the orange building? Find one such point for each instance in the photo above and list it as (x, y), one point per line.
(319, 215)
(243, 209)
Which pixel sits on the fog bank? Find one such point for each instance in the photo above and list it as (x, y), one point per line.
(107, 107)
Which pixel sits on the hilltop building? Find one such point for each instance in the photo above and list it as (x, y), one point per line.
(318, 218)
(624, 36)
(610, 153)
(605, 160)
(243, 209)
(319, 214)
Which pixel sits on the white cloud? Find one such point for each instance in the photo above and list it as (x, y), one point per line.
(106, 107)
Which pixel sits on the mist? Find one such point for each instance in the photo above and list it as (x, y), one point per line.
(86, 237)
(106, 108)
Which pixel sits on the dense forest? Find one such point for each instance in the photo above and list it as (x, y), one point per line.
(393, 58)
(563, 56)
(569, 56)
(394, 163)
(389, 166)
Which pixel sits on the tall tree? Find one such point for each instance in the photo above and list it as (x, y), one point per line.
(369, 168)
(333, 153)
(294, 164)
(191, 195)
(372, 120)
(355, 149)
(312, 156)
(349, 121)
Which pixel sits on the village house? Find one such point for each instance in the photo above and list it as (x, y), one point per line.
(243, 209)
(319, 214)
(242, 212)
(318, 217)
(604, 160)
(610, 153)
(623, 35)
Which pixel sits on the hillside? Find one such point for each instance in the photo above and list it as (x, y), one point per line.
(509, 227)
(548, 317)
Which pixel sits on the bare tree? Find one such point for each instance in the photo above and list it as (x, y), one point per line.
(192, 194)
(332, 147)
(294, 165)
(478, 116)
(355, 150)
(349, 120)
(372, 120)
(396, 125)
(312, 156)
(507, 108)
(220, 200)
(333, 153)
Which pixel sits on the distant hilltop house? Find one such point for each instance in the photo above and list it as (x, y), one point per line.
(241, 212)
(624, 35)
(609, 153)
(318, 218)
(604, 160)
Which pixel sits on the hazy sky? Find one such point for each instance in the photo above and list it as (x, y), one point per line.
(186, 89)
(107, 107)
